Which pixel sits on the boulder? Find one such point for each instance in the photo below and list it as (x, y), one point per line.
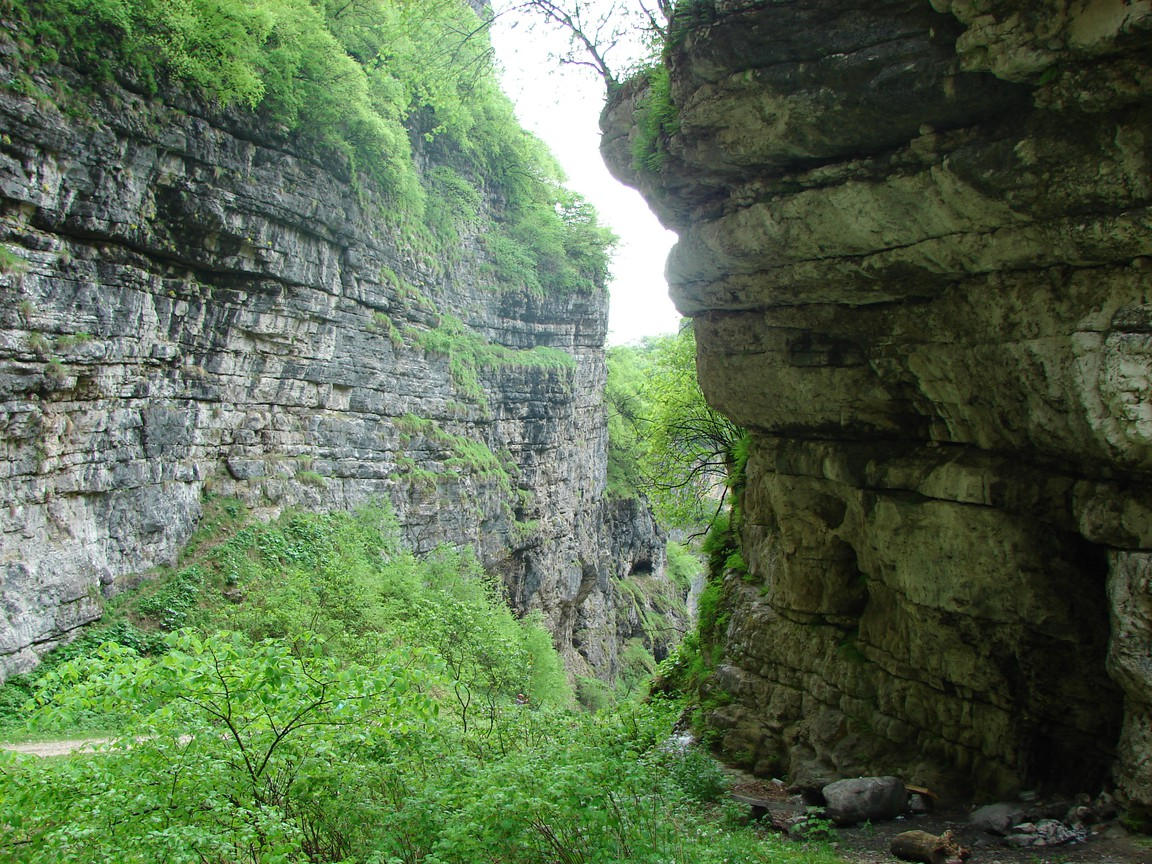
(865, 799)
(1000, 818)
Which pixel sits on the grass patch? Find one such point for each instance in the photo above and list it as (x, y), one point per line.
(468, 353)
(10, 262)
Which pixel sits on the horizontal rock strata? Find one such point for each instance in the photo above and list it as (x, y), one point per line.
(193, 305)
(916, 242)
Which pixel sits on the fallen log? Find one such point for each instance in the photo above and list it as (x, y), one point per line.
(921, 790)
(758, 806)
(928, 848)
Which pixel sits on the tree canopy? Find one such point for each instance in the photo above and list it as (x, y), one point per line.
(613, 38)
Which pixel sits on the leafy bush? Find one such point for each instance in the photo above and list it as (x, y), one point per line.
(696, 773)
(683, 566)
(663, 436)
(232, 742)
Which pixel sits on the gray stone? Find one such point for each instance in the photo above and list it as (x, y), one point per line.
(999, 818)
(1046, 832)
(865, 799)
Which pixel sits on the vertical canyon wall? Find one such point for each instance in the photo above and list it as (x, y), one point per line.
(916, 243)
(191, 304)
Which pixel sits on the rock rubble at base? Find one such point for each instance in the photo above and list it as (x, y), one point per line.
(1038, 823)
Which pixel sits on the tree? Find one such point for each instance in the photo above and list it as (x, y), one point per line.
(690, 448)
(600, 31)
(685, 452)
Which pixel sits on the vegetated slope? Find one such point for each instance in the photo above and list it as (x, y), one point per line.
(301, 254)
(369, 704)
(914, 241)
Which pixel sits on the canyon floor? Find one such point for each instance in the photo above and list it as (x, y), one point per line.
(1109, 843)
(865, 844)
(869, 845)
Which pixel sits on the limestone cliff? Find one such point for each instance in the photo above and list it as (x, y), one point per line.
(192, 303)
(915, 240)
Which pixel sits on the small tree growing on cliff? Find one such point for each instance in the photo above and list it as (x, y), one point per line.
(601, 32)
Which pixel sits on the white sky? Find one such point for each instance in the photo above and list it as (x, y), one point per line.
(562, 105)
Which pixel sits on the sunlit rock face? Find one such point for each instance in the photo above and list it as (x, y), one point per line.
(916, 243)
(192, 305)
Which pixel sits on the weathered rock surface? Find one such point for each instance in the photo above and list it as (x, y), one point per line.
(192, 304)
(916, 241)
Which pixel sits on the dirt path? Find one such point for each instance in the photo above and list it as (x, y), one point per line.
(56, 748)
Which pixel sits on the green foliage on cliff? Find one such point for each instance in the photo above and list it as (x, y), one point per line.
(348, 579)
(9, 262)
(689, 15)
(466, 456)
(552, 250)
(469, 353)
(687, 669)
(624, 396)
(657, 119)
(375, 88)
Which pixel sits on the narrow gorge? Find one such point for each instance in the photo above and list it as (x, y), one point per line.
(916, 246)
(196, 303)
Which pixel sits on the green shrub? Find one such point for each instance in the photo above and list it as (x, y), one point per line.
(173, 604)
(232, 742)
(594, 694)
(696, 773)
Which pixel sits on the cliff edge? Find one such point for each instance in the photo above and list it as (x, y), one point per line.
(916, 244)
(194, 303)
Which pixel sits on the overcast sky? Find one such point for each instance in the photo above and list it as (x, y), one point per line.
(562, 106)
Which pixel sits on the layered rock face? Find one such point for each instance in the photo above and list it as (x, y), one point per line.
(916, 243)
(192, 305)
